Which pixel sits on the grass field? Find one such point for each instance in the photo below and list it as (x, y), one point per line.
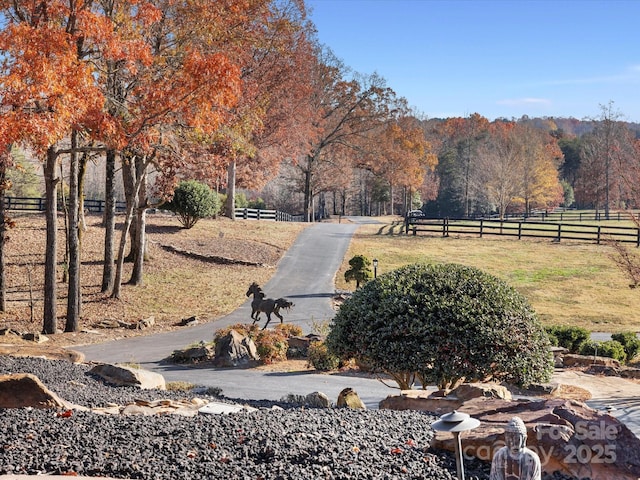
(568, 283)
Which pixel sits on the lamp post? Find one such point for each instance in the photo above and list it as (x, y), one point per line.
(456, 422)
(375, 268)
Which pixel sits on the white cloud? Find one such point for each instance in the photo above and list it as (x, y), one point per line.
(525, 102)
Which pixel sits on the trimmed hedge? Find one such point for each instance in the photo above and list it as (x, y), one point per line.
(609, 348)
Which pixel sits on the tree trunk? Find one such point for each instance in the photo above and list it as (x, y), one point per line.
(82, 170)
(132, 205)
(109, 221)
(139, 238)
(51, 215)
(308, 194)
(73, 292)
(230, 204)
(3, 233)
(129, 179)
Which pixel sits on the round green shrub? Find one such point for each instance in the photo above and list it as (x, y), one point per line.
(320, 358)
(630, 342)
(444, 324)
(192, 201)
(609, 348)
(567, 337)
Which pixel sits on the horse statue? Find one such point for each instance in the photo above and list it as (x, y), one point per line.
(266, 305)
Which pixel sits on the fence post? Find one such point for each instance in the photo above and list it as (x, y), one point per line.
(481, 225)
(258, 215)
(245, 214)
(559, 229)
(444, 227)
(519, 230)
(598, 236)
(638, 238)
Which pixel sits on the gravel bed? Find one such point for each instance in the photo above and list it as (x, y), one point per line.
(268, 444)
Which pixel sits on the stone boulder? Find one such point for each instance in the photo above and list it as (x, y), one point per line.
(349, 398)
(299, 346)
(421, 400)
(196, 354)
(134, 377)
(584, 361)
(318, 400)
(568, 436)
(467, 391)
(234, 350)
(21, 390)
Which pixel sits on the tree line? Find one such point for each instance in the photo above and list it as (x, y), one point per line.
(522, 165)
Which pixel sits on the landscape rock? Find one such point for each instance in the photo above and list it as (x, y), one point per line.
(568, 436)
(195, 354)
(21, 390)
(421, 400)
(144, 323)
(35, 337)
(574, 360)
(135, 377)
(467, 391)
(317, 399)
(235, 349)
(299, 346)
(349, 398)
(50, 352)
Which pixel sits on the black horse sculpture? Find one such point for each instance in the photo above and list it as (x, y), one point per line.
(266, 305)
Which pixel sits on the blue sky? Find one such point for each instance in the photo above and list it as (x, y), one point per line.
(503, 58)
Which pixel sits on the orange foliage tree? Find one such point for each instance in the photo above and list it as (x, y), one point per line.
(48, 91)
(403, 158)
(344, 111)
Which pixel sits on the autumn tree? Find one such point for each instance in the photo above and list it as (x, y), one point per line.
(346, 108)
(264, 128)
(606, 152)
(402, 157)
(541, 157)
(48, 92)
(179, 89)
(460, 175)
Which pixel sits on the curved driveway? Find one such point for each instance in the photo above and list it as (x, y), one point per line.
(305, 275)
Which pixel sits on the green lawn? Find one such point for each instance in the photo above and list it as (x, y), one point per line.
(569, 283)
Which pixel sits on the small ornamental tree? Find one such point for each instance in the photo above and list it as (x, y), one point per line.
(360, 270)
(442, 324)
(192, 201)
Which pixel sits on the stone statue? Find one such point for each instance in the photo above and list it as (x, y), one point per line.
(515, 461)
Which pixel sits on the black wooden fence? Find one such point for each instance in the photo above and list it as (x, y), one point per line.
(519, 229)
(274, 215)
(97, 206)
(39, 204)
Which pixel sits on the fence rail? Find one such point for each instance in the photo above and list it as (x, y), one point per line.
(97, 206)
(567, 216)
(40, 204)
(553, 231)
(274, 215)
